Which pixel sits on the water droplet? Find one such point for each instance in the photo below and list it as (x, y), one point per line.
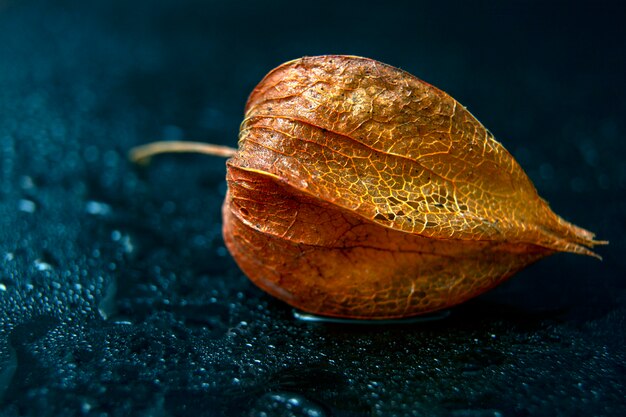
(125, 240)
(127, 244)
(27, 206)
(107, 306)
(287, 403)
(85, 406)
(97, 208)
(26, 182)
(42, 265)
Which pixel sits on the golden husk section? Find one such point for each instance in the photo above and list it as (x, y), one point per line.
(375, 140)
(333, 262)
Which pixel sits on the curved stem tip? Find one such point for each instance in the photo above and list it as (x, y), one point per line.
(142, 154)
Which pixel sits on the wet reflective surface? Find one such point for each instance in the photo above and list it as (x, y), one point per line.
(117, 296)
(424, 318)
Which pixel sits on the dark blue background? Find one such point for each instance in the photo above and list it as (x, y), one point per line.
(118, 297)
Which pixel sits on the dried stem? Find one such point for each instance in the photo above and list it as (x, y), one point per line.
(142, 154)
